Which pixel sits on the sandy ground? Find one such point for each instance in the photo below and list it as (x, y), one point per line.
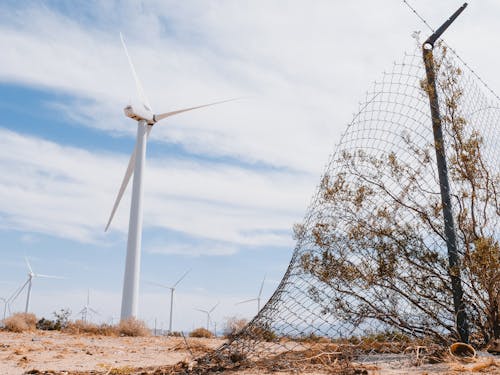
(51, 350)
(61, 353)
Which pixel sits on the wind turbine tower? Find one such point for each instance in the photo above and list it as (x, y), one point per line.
(145, 118)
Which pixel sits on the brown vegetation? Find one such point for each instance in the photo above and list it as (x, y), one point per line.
(233, 325)
(133, 327)
(20, 322)
(201, 333)
(380, 244)
(82, 327)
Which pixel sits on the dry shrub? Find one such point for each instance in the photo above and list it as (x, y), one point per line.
(201, 333)
(20, 322)
(233, 326)
(133, 327)
(80, 326)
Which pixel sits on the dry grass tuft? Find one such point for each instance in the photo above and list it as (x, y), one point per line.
(81, 327)
(201, 333)
(133, 327)
(20, 322)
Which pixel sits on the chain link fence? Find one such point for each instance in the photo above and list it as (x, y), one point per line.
(369, 279)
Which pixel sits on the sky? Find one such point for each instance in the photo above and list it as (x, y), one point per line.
(223, 185)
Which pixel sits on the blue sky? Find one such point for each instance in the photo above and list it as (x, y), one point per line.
(224, 185)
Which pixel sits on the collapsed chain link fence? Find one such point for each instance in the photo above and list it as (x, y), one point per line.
(369, 278)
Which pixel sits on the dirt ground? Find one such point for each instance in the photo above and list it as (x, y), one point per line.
(51, 352)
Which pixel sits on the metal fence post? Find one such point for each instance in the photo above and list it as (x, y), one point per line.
(449, 225)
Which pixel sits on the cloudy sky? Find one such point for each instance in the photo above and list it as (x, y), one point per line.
(223, 185)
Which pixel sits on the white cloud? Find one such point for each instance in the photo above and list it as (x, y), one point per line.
(291, 62)
(68, 192)
(193, 250)
(303, 67)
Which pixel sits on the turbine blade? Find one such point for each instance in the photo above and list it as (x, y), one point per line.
(28, 264)
(245, 301)
(18, 291)
(262, 286)
(123, 187)
(182, 277)
(203, 311)
(48, 276)
(140, 91)
(157, 284)
(125, 181)
(213, 308)
(94, 311)
(173, 113)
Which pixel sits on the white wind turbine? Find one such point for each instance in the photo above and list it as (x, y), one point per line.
(208, 312)
(28, 283)
(258, 297)
(87, 309)
(172, 289)
(5, 306)
(145, 118)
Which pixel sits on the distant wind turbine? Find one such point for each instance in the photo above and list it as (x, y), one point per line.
(258, 297)
(28, 283)
(145, 118)
(172, 289)
(87, 309)
(5, 306)
(208, 312)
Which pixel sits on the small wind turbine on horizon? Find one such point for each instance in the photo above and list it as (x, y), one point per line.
(87, 309)
(145, 118)
(172, 289)
(208, 312)
(28, 283)
(258, 297)
(5, 306)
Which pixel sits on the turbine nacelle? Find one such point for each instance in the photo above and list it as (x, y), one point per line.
(139, 114)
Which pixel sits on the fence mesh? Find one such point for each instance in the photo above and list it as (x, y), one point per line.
(369, 277)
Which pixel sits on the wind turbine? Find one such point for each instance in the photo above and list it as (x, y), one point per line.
(28, 283)
(208, 312)
(145, 118)
(172, 289)
(258, 297)
(5, 306)
(86, 309)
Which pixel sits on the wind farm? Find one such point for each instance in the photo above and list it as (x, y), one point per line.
(318, 194)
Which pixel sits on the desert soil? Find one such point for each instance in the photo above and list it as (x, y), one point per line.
(60, 353)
